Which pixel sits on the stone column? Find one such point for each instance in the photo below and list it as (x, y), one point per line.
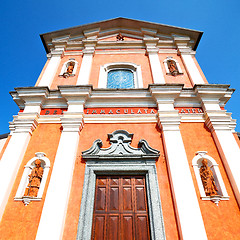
(186, 54)
(86, 66)
(222, 127)
(51, 69)
(54, 211)
(152, 51)
(189, 218)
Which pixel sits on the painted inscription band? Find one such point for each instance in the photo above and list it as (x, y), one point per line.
(120, 111)
(189, 110)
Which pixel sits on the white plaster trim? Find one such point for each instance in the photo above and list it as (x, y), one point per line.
(192, 69)
(196, 163)
(135, 69)
(55, 206)
(85, 69)
(50, 71)
(10, 163)
(184, 194)
(120, 118)
(27, 170)
(109, 52)
(156, 68)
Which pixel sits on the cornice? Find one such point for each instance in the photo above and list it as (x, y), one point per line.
(145, 97)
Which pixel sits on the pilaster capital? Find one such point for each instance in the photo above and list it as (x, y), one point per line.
(30, 97)
(89, 46)
(75, 96)
(169, 120)
(219, 120)
(151, 45)
(57, 51)
(165, 95)
(24, 123)
(182, 44)
(72, 122)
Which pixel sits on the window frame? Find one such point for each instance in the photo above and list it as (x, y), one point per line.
(105, 69)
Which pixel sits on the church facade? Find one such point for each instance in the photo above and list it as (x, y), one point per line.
(122, 137)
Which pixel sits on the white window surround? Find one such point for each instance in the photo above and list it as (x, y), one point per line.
(45, 164)
(65, 66)
(136, 69)
(177, 63)
(197, 163)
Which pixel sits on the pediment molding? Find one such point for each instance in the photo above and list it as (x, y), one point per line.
(120, 148)
(129, 27)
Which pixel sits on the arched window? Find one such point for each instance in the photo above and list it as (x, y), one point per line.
(40, 163)
(120, 78)
(172, 66)
(69, 68)
(120, 75)
(198, 161)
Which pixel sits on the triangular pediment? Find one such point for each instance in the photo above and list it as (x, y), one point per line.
(132, 30)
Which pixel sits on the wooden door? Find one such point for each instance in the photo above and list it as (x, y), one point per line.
(120, 209)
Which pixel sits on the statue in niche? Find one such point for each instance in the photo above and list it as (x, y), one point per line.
(69, 71)
(172, 67)
(208, 181)
(120, 37)
(35, 179)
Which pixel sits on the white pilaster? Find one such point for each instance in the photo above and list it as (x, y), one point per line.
(51, 69)
(152, 51)
(22, 126)
(222, 125)
(186, 54)
(86, 66)
(52, 221)
(189, 216)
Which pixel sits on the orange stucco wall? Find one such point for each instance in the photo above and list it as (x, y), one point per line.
(147, 131)
(20, 222)
(70, 80)
(181, 78)
(197, 137)
(137, 58)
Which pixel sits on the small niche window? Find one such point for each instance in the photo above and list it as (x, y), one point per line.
(120, 75)
(172, 66)
(69, 68)
(34, 179)
(209, 179)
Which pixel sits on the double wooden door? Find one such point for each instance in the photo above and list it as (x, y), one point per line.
(120, 209)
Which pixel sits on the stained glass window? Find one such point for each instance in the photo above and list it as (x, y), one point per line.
(120, 78)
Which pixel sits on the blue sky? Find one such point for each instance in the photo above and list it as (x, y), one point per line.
(23, 55)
